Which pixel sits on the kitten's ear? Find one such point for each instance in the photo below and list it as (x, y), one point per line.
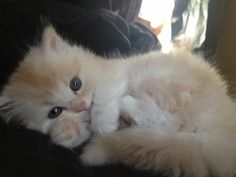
(51, 42)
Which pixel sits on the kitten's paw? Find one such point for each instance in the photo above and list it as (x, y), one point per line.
(126, 102)
(69, 133)
(95, 155)
(99, 127)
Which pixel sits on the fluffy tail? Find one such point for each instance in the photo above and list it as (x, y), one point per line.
(176, 154)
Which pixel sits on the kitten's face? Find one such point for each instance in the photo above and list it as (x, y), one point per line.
(52, 91)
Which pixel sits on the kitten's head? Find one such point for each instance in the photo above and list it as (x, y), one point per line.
(52, 89)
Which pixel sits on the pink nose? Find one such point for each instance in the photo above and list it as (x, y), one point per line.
(78, 106)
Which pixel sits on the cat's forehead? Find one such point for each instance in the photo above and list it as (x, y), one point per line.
(45, 71)
(41, 78)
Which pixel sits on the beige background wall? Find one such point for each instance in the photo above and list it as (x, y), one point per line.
(226, 52)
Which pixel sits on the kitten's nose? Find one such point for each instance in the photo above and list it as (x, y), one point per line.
(78, 106)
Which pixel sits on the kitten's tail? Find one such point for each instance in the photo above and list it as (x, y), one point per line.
(175, 154)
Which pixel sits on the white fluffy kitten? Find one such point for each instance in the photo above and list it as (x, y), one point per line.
(183, 119)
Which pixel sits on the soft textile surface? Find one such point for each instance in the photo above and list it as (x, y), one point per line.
(28, 153)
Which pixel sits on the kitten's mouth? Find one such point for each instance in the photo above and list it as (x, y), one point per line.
(91, 105)
(88, 112)
(90, 108)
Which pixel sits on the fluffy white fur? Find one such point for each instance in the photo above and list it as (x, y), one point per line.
(183, 120)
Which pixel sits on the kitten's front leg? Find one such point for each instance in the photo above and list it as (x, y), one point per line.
(105, 110)
(105, 117)
(141, 110)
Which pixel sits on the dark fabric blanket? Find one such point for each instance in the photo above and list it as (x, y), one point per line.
(26, 153)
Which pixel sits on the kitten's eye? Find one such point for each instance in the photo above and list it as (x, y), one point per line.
(75, 84)
(55, 112)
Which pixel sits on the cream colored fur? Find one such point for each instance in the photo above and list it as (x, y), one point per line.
(185, 119)
(183, 122)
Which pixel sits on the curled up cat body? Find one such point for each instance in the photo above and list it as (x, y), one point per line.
(182, 120)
